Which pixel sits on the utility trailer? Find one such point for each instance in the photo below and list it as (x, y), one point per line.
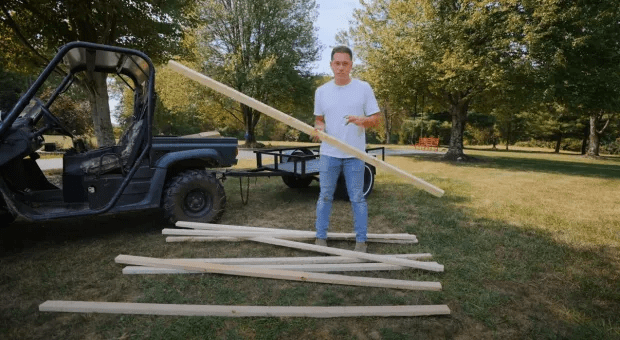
(299, 166)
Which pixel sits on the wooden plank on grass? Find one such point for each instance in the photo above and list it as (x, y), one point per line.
(240, 311)
(278, 274)
(249, 234)
(315, 268)
(172, 239)
(211, 226)
(296, 259)
(349, 253)
(303, 127)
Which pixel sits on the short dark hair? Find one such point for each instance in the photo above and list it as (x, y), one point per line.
(342, 49)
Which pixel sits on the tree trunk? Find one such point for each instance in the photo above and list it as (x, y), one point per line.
(250, 124)
(387, 124)
(509, 132)
(584, 141)
(97, 86)
(458, 112)
(594, 139)
(558, 143)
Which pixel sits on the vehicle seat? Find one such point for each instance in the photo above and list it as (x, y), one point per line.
(120, 156)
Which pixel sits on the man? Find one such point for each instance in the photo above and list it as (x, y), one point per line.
(343, 108)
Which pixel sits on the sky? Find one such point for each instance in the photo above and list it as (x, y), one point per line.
(334, 16)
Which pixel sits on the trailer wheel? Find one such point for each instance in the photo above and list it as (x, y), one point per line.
(195, 196)
(296, 182)
(369, 183)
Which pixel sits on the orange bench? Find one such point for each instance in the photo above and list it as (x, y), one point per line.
(429, 143)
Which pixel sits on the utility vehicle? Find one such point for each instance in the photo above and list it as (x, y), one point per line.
(140, 172)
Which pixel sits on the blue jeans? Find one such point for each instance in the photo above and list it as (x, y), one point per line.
(330, 169)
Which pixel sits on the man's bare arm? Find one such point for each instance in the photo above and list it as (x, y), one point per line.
(365, 121)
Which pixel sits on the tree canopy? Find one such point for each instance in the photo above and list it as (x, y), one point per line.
(263, 48)
(36, 29)
(574, 47)
(450, 52)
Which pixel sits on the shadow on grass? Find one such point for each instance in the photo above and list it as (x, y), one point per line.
(22, 236)
(612, 158)
(512, 160)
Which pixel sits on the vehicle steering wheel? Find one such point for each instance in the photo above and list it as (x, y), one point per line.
(52, 120)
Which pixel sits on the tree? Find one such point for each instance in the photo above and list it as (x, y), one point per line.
(12, 84)
(575, 49)
(451, 52)
(263, 48)
(38, 28)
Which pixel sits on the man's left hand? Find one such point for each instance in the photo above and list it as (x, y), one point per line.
(357, 120)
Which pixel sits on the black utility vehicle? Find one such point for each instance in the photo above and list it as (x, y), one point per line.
(140, 172)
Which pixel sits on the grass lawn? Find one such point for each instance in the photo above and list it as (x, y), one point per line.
(530, 241)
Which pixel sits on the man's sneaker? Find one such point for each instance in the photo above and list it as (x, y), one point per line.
(320, 242)
(360, 246)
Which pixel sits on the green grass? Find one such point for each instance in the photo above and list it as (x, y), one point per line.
(530, 241)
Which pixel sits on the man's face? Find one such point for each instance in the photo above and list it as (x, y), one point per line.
(341, 66)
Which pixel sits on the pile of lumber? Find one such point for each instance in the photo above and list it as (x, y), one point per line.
(306, 269)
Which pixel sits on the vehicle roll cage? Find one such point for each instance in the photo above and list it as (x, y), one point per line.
(90, 57)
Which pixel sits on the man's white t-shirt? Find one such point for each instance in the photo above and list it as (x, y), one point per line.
(334, 103)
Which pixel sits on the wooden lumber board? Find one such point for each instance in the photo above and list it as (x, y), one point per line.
(203, 239)
(249, 234)
(315, 268)
(296, 260)
(240, 311)
(278, 274)
(172, 239)
(211, 226)
(303, 127)
(349, 253)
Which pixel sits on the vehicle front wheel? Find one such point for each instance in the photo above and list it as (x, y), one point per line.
(195, 196)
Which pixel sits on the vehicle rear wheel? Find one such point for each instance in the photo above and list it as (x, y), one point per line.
(195, 196)
(369, 183)
(6, 217)
(296, 181)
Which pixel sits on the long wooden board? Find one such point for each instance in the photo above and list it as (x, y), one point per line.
(240, 311)
(315, 268)
(278, 274)
(212, 226)
(283, 234)
(349, 253)
(293, 238)
(296, 259)
(303, 127)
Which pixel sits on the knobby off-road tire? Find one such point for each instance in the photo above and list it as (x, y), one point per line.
(297, 182)
(369, 183)
(195, 196)
(6, 217)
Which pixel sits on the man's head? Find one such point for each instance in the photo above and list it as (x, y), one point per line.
(342, 49)
(341, 64)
